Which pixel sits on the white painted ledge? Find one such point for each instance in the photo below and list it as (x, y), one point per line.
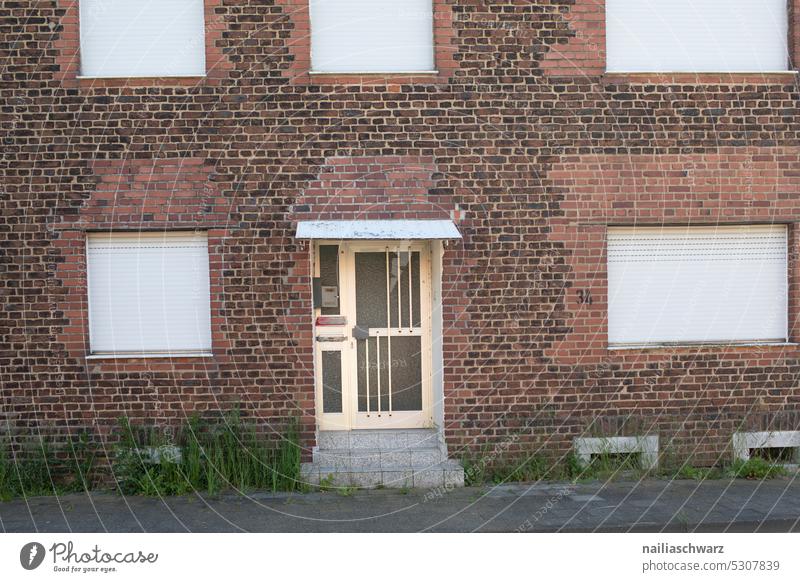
(128, 356)
(378, 230)
(732, 73)
(344, 73)
(646, 446)
(686, 345)
(743, 442)
(140, 77)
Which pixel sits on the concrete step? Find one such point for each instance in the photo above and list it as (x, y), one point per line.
(446, 474)
(386, 458)
(381, 440)
(357, 459)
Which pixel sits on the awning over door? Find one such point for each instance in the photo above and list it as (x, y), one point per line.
(378, 229)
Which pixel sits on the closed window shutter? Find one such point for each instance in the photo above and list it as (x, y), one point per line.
(371, 35)
(142, 38)
(697, 35)
(149, 293)
(697, 284)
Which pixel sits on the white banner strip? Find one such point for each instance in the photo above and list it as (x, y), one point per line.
(385, 557)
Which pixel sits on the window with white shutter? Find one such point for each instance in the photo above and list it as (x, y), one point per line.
(697, 285)
(697, 35)
(371, 36)
(148, 293)
(142, 38)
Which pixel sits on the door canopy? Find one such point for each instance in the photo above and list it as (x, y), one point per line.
(378, 230)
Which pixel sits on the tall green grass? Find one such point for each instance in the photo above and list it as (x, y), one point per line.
(214, 456)
(38, 468)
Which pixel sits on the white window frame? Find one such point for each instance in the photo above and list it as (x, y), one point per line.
(619, 41)
(654, 343)
(200, 55)
(197, 352)
(316, 70)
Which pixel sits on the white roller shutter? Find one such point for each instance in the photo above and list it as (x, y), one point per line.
(142, 38)
(697, 284)
(697, 35)
(371, 35)
(149, 293)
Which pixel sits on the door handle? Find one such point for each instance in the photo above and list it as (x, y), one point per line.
(360, 333)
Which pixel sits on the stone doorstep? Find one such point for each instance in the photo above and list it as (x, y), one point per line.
(444, 474)
(381, 440)
(383, 458)
(357, 459)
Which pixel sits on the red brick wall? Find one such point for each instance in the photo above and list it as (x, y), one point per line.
(577, 46)
(298, 44)
(68, 59)
(374, 187)
(532, 165)
(155, 195)
(732, 185)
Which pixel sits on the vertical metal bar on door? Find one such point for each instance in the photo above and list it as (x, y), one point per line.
(410, 293)
(388, 333)
(399, 292)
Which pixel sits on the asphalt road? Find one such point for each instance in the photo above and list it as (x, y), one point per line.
(649, 505)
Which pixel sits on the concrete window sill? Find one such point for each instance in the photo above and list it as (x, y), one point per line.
(139, 77)
(702, 346)
(708, 78)
(128, 356)
(376, 73)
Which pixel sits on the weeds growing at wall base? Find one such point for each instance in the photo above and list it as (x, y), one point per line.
(206, 456)
(485, 468)
(37, 468)
(210, 457)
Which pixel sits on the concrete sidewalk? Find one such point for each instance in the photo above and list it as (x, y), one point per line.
(651, 505)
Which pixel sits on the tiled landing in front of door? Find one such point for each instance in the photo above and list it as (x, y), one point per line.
(388, 458)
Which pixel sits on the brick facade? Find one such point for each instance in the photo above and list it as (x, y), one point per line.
(576, 45)
(68, 60)
(532, 159)
(297, 23)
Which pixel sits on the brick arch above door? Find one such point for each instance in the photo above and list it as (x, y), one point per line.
(373, 188)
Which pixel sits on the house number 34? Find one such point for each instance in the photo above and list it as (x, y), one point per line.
(585, 297)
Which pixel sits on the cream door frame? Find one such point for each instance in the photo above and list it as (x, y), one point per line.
(350, 418)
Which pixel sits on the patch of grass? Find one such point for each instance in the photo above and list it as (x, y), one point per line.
(689, 471)
(485, 468)
(346, 491)
(532, 468)
(326, 483)
(571, 467)
(603, 466)
(35, 469)
(213, 457)
(475, 468)
(482, 468)
(30, 472)
(610, 465)
(80, 463)
(141, 464)
(774, 454)
(6, 477)
(756, 468)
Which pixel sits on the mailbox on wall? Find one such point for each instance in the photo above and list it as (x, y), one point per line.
(330, 296)
(325, 295)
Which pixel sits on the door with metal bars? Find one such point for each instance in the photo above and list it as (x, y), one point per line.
(382, 368)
